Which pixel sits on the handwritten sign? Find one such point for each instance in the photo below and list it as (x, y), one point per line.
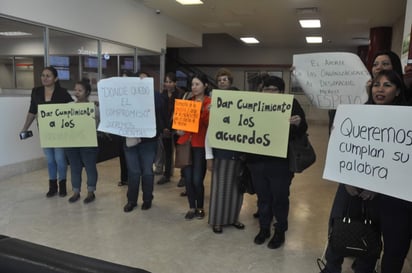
(186, 115)
(250, 122)
(371, 147)
(330, 79)
(127, 106)
(67, 125)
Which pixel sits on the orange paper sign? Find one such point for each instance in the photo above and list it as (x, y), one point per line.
(186, 115)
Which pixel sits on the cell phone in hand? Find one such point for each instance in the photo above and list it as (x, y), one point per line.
(26, 134)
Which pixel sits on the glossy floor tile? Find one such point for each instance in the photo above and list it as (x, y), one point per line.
(160, 240)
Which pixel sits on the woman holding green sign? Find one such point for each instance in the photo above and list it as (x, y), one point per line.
(83, 156)
(50, 92)
(272, 178)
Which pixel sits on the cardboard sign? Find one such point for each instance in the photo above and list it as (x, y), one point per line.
(127, 106)
(250, 122)
(330, 79)
(186, 115)
(67, 125)
(371, 147)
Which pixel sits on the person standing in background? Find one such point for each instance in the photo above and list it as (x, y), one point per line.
(225, 196)
(50, 92)
(169, 94)
(83, 156)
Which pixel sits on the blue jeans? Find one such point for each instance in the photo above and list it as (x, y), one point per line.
(194, 176)
(56, 163)
(140, 159)
(79, 157)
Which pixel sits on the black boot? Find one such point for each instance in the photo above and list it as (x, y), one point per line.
(52, 188)
(62, 188)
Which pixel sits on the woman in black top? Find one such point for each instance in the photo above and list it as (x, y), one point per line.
(50, 92)
(272, 178)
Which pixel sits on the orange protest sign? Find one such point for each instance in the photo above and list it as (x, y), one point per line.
(186, 115)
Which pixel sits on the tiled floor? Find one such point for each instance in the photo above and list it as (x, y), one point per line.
(160, 240)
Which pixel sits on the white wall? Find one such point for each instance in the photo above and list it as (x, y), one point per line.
(17, 155)
(124, 21)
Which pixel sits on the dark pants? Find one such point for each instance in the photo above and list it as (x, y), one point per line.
(272, 179)
(194, 176)
(122, 158)
(168, 152)
(396, 218)
(342, 199)
(79, 157)
(140, 159)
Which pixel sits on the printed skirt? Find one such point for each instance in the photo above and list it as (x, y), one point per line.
(225, 196)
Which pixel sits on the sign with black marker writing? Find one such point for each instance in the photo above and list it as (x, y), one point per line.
(67, 125)
(332, 78)
(371, 147)
(250, 122)
(127, 106)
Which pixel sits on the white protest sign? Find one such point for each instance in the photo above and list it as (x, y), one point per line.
(330, 79)
(371, 147)
(127, 106)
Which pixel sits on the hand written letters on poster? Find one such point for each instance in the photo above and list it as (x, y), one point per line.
(250, 122)
(371, 147)
(127, 106)
(186, 115)
(67, 125)
(330, 79)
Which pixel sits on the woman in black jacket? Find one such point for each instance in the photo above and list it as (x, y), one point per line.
(272, 178)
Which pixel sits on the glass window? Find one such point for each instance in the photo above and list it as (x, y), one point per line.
(74, 57)
(21, 54)
(118, 59)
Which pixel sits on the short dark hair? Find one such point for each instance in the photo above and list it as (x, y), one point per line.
(275, 81)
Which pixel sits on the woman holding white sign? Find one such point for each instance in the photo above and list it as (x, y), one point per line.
(83, 156)
(272, 178)
(50, 92)
(396, 214)
(386, 88)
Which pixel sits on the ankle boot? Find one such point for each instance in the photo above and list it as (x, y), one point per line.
(52, 188)
(62, 188)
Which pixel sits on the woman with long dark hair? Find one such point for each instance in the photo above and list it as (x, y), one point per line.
(50, 92)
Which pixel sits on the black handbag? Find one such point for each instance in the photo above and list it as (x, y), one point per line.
(300, 153)
(356, 237)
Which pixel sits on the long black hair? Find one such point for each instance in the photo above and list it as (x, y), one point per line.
(395, 79)
(395, 61)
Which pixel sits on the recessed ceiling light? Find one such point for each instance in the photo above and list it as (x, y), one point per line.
(249, 40)
(312, 23)
(314, 39)
(15, 33)
(190, 2)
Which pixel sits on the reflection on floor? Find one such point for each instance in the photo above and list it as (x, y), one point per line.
(160, 240)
